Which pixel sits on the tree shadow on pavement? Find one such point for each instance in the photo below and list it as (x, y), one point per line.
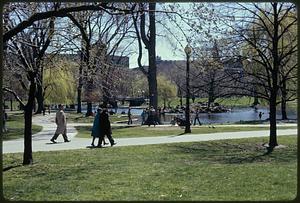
(55, 142)
(179, 134)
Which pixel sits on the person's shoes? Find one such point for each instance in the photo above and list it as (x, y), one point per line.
(52, 140)
(99, 146)
(67, 140)
(105, 143)
(93, 144)
(112, 144)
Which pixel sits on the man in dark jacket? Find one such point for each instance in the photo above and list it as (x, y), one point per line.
(105, 128)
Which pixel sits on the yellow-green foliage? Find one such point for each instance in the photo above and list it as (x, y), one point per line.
(166, 89)
(60, 82)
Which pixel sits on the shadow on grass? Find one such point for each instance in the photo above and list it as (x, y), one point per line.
(11, 167)
(89, 128)
(223, 152)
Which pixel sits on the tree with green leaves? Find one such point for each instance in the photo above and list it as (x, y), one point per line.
(166, 89)
(60, 82)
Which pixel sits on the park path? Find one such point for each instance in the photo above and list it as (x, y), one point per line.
(41, 141)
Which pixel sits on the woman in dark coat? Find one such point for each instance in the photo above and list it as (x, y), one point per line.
(105, 127)
(96, 128)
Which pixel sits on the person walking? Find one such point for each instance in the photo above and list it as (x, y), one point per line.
(197, 117)
(129, 116)
(96, 128)
(44, 111)
(61, 123)
(143, 115)
(105, 127)
(260, 115)
(151, 117)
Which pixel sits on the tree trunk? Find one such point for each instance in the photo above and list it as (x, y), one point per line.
(210, 100)
(255, 97)
(152, 90)
(255, 102)
(40, 99)
(273, 127)
(34, 105)
(283, 101)
(210, 94)
(89, 110)
(89, 96)
(79, 89)
(283, 110)
(27, 156)
(152, 81)
(181, 102)
(11, 105)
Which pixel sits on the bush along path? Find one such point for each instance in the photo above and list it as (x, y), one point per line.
(41, 141)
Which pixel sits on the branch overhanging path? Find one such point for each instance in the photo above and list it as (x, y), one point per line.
(41, 140)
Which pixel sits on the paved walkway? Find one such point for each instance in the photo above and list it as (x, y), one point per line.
(41, 140)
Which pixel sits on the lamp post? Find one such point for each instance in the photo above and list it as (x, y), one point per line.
(188, 52)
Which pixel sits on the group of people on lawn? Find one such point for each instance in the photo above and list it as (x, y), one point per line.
(150, 116)
(101, 127)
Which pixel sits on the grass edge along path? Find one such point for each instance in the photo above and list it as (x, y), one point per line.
(138, 131)
(15, 130)
(211, 170)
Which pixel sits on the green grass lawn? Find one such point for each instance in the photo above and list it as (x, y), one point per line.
(232, 101)
(212, 170)
(15, 126)
(138, 131)
(292, 104)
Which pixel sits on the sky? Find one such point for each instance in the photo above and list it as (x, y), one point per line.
(163, 49)
(169, 48)
(164, 45)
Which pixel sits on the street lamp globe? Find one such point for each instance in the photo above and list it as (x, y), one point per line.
(187, 49)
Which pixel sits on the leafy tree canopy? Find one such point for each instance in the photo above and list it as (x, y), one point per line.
(60, 84)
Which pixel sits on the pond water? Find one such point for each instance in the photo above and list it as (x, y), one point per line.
(235, 115)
